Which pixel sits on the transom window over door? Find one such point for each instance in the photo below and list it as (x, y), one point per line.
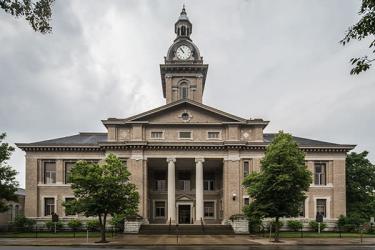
(320, 170)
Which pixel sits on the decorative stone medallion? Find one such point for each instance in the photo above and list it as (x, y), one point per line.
(185, 116)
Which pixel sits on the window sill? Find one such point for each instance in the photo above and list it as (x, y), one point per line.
(54, 185)
(329, 185)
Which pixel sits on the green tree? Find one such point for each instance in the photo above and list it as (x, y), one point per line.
(279, 188)
(101, 190)
(364, 28)
(360, 186)
(37, 13)
(8, 183)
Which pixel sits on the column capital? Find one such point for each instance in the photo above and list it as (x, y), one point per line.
(200, 159)
(171, 159)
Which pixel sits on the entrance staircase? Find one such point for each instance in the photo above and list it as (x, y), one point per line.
(186, 229)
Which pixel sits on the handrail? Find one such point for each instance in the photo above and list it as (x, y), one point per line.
(202, 225)
(170, 224)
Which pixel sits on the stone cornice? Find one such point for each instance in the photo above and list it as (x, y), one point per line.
(233, 145)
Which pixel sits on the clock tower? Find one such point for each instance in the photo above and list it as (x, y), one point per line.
(183, 74)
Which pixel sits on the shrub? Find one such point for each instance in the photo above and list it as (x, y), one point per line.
(255, 225)
(51, 225)
(92, 225)
(350, 223)
(315, 226)
(75, 224)
(295, 225)
(23, 223)
(118, 221)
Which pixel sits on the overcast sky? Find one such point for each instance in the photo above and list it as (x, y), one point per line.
(276, 60)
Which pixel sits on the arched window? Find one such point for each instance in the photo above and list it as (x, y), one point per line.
(183, 29)
(184, 91)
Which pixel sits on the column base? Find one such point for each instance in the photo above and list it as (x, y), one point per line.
(173, 222)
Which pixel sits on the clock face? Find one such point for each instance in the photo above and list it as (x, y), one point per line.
(183, 52)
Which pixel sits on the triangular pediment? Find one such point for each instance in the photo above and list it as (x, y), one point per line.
(185, 111)
(184, 197)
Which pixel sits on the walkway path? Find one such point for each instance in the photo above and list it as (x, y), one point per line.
(154, 240)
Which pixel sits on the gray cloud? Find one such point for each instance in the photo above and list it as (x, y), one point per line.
(279, 60)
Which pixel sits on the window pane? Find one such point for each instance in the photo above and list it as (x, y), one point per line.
(49, 172)
(302, 209)
(246, 201)
(185, 135)
(208, 185)
(161, 185)
(68, 167)
(245, 168)
(159, 208)
(320, 173)
(321, 207)
(49, 206)
(209, 208)
(213, 135)
(157, 135)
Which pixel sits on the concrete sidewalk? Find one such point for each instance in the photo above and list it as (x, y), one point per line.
(183, 240)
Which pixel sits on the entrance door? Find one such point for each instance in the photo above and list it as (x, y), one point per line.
(183, 214)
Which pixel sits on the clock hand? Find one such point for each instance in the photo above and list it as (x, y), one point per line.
(182, 50)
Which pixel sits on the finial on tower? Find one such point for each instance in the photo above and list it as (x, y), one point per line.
(183, 26)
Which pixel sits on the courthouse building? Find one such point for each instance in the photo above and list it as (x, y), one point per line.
(187, 159)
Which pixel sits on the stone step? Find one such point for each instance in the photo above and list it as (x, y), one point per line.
(187, 229)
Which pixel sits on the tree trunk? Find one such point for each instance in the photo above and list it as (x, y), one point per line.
(102, 229)
(277, 229)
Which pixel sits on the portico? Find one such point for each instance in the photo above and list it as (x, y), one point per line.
(192, 186)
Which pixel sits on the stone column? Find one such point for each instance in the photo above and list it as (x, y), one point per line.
(171, 190)
(199, 213)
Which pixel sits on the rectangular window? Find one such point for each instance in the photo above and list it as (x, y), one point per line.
(321, 207)
(185, 135)
(208, 185)
(68, 200)
(157, 135)
(161, 185)
(49, 172)
(246, 201)
(246, 168)
(301, 212)
(160, 209)
(213, 135)
(209, 209)
(68, 167)
(49, 206)
(183, 185)
(320, 173)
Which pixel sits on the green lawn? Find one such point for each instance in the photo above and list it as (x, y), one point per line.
(321, 235)
(49, 234)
